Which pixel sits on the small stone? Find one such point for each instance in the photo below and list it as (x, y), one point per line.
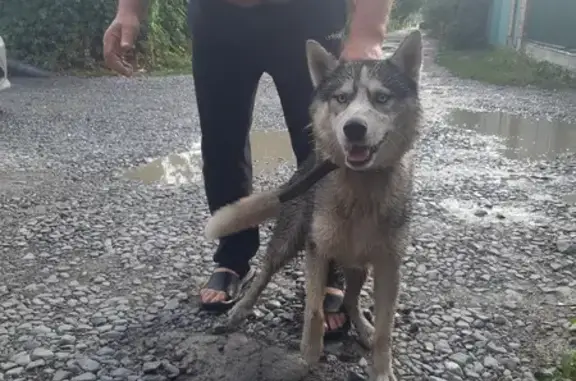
(512, 363)
(480, 213)
(85, 377)
(35, 364)
(121, 372)
(460, 358)
(29, 257)
(354, 376)
(151, 366)
(556, 266)
(172, 304)
(452, 367)
(52, 279)
(7, 365)
(65, 328)
(15, 372)
(565, 246)
(443, 346)
(496, 348)
(172, 370)
(88, 365)
(105, 351)
(60, 375)
(42, 353)
(67, 339)
(491, 362)
(545, 373)
(42, 330)
(21, 359)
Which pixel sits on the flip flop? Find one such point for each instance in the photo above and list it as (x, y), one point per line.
(333, 304)
(229, 283)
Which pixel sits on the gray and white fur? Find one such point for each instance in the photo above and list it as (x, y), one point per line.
(366, 117)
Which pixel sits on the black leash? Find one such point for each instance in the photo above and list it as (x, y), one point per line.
(311, 178)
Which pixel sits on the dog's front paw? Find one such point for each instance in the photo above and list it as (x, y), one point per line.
(237, 315)
(311, 353)
(384, 377)
(365, 333)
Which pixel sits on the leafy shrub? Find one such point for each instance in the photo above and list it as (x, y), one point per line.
(459, 24)
(402, 10)
(437, 15)
(64, 34)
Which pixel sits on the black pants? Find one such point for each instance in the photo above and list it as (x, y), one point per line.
(232, 48)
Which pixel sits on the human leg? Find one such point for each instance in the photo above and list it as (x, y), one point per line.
(226, 77)
(288, 67)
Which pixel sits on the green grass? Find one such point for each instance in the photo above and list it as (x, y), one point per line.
(184, 67)
(506, 67)
(565, 370)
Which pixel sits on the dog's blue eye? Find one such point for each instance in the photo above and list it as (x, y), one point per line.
(381, 98)
(341, 98)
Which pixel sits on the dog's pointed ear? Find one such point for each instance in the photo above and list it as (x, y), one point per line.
(408, 56)
(320, 61)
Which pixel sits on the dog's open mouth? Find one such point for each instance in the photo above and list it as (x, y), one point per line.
(360, 155)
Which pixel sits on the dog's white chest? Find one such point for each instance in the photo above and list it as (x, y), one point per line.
(351, 241)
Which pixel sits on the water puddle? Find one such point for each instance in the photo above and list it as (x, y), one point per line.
(524, 138)
(269, 150)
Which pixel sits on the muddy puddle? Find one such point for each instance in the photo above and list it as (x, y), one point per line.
(523, 138)
(269, 150)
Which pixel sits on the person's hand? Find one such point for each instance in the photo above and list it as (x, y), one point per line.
(362, 48)
(119, 41)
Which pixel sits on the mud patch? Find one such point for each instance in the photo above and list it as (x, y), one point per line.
(524, 138)
(270, 149)
(237, 358)
(470, 212)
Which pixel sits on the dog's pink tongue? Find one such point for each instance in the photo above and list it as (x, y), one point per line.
(358, 154)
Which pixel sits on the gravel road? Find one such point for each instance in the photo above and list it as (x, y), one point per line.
(99, 272)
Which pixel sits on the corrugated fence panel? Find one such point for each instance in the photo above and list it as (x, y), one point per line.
(552, 22)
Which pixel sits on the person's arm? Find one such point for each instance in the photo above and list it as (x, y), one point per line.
(367, 29)
(370, 19)
(133, 7)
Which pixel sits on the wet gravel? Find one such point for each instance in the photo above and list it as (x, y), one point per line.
(99, 273)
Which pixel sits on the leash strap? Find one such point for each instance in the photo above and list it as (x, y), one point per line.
(300, 187)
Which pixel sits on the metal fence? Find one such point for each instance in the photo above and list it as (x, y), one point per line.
(552, 22)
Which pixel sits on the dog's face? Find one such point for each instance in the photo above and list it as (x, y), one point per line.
(366, 114)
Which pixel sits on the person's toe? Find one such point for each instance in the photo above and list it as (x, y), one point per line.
(334, 321)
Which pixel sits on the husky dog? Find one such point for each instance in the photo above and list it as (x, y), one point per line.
(365, 120)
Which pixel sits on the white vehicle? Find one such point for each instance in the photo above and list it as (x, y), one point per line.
(4, 83)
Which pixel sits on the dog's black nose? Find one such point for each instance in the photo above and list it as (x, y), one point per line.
(355, 131)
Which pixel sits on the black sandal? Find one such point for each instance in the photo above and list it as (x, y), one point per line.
(229, 283)
(334, 304)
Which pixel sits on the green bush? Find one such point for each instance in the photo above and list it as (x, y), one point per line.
(402, 10)
(459, 24)
(437, 15)
(66, 34)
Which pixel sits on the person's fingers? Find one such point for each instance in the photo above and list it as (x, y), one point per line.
(112, 54)
(114, 62)
(128, 36)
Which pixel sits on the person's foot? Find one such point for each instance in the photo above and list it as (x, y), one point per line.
(334, 320)
(223, 289)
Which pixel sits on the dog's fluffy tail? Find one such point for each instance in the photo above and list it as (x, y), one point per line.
(245, 213)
